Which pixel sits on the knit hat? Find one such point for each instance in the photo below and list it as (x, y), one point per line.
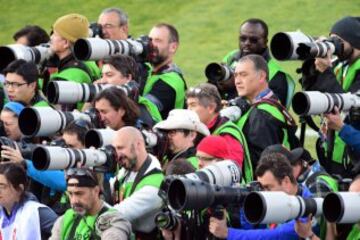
(14, 107)
(215, 146)
(72, 27)
(348, 28)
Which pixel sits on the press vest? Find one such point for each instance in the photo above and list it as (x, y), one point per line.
(174, 79)
(230, 128)
(345, 78)
(85, 227)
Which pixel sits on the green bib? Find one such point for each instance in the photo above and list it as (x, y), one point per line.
(230, 128)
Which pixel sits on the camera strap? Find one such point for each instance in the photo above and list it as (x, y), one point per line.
(289, 120)
(141, 173)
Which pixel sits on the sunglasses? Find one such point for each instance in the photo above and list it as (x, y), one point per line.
(252, 40)
(73, 172)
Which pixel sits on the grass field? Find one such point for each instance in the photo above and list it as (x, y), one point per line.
(208, 29)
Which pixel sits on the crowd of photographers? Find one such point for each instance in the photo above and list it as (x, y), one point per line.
(101, 137)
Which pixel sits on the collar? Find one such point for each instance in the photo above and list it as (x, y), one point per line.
(189, 152)
(267, 93)
(66, 61)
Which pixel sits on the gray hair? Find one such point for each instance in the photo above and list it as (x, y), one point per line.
(123, 17)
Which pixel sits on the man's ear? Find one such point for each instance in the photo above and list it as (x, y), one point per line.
(211, 108)
(173, 47)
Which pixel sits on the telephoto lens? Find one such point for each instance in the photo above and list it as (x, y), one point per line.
(37, 54)
(46, 157)
(46, 121)
(315, 102)
(284, 45)
(69, 92)
(97, 48)
(216, 72)
(342, 207)
(279, 207)
(99, 137)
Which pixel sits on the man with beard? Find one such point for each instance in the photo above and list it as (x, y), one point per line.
(79, 221)
(137, 184)
(253, 39)
(340, 76)
(165, 86)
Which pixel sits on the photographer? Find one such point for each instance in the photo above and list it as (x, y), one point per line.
(114, 24)
(117, 110)
(66, 30)
(339, 77)
(274, 174)
(31, 35)
(137, 184)
(119, 70)
(87, 211)
(205, 100)
(183, 128)
(267, 122)
(165, 85)
(21, 216)
(253, 39)
(9, 117)
(21, 84)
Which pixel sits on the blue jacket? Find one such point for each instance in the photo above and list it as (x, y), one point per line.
(284, 231)
(53, 179)
(351, 136)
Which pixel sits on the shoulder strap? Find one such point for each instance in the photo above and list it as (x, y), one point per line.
(288, 118)
(140, 174)
(74, 226)
(313, 177)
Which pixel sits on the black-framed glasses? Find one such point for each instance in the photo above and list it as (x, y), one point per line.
(73, 172)
(13, 84)
(252, 40)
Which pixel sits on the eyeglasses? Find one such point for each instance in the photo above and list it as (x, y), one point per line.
(109, 26)
(73, 172)
(252, 40)
(202, 158)
(13, 84)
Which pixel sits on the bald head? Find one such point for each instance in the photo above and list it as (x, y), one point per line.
(130, 148)
(131, 134)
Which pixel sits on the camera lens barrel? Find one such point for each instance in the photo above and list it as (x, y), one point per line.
(284, 45)
(216, 72)
(279, 207)
(46, 121)
(342, 207)
(315, 102)
(99, 137)
(48, 157)
(13, 52)
(97, 48)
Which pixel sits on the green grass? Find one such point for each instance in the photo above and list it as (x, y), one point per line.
(208, 29)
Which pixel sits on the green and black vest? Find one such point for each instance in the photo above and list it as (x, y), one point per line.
(172, 76)
(230, 128)
(85, 229)
(345, 76)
